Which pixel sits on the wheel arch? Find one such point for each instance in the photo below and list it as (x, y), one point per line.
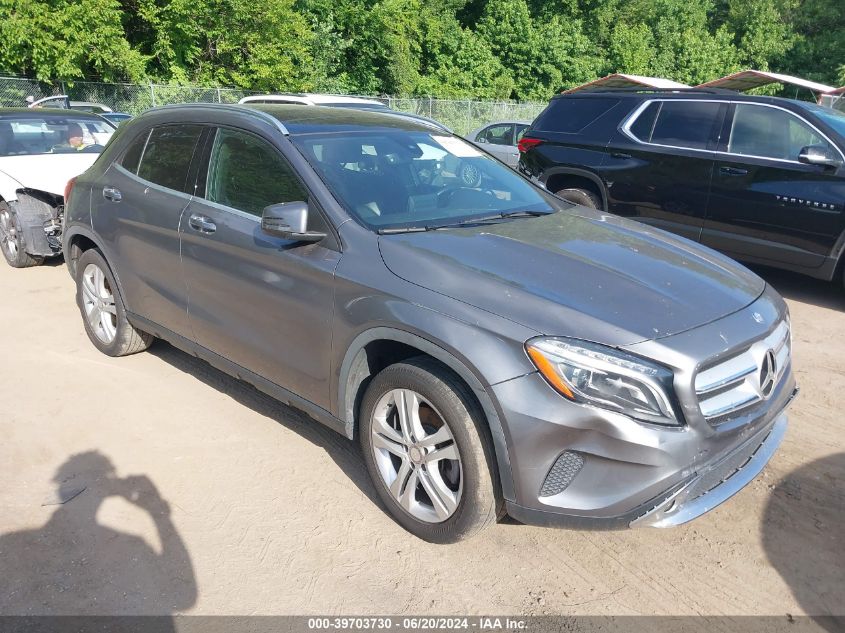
(79, 239)
(378, 347)
(559, 178)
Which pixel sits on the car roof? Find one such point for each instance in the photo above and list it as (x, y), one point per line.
(714, 94)
(300, 120)
(36, 113)
(292, 119)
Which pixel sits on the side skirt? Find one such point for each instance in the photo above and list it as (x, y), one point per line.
(241, 373)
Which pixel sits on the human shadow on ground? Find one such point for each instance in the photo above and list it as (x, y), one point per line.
(74, 566)
(803, 533)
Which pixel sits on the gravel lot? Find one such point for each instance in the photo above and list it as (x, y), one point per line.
(203, 496)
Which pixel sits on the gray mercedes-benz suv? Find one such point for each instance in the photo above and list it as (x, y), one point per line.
(494, 348)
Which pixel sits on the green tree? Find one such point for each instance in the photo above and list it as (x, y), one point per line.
(59, 39)
(542, 55)
(455, 62)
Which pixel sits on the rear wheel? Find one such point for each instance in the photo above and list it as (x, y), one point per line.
(12, 240)
(427, 452)
(584, 197)
(102, 309)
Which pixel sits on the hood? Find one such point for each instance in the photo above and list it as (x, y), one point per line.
(46, 172)
(586, 275)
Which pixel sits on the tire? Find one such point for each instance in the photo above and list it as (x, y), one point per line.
(12, 241)
(466, 487)
(101, 306)
(584, 197)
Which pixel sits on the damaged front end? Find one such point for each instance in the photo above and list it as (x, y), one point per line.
(41, 215)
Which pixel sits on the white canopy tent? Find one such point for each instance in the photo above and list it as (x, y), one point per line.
(748, 79)
(619, 80)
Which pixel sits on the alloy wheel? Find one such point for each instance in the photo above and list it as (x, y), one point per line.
(8, 233)
(416, 456)
(98, 303)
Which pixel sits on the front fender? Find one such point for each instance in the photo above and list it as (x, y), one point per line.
(9, 187)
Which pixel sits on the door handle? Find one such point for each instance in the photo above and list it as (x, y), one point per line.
(112, 193)
(621, 155)
(733, 171)
(202, 224)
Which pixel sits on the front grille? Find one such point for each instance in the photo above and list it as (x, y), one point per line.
(564, 470)
(744, 379)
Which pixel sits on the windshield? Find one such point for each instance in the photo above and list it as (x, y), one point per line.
(834, 118)
(52, 134)
(399, 178)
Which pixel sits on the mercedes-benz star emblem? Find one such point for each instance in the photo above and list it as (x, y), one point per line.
(767, 374)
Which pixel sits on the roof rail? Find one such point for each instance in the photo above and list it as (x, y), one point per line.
(226, 106)
(648, 89)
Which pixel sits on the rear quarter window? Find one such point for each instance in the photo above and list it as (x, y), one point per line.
(572, 115)
(132, 156)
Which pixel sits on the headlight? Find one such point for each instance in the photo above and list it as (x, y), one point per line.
(605, 377)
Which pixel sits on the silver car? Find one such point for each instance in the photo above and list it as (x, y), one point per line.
(500, 139)
(494, 349)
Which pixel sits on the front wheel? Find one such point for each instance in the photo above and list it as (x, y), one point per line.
(12, 240)
(427, 451)
(102, 309)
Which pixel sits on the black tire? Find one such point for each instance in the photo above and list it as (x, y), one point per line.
(584, 197)
(12, 241)
(126, 338)
(480, 502)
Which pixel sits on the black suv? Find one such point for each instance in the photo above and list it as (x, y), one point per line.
(759, 178)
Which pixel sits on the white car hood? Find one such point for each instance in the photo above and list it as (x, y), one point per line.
(46, 172)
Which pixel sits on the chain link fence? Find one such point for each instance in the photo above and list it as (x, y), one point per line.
(462, 116)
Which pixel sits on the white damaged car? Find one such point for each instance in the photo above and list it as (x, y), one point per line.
(40, 151)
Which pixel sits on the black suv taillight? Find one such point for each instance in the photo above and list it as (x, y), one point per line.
(525, 144)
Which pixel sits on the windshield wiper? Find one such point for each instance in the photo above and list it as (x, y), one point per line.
(469, 221)
(406, 229)
(495, 217)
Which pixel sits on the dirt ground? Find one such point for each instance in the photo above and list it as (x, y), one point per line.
(203, 496)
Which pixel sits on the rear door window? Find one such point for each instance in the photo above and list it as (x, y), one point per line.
(687, 124)
(168, 155)
(572, 115)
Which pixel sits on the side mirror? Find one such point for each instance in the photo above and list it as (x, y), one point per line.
(481, 139)
(289, 220)
(818, 155)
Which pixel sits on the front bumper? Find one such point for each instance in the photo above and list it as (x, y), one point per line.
(588, 468)
(718, 482)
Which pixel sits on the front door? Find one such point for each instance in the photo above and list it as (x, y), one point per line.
(499, 140)
(658, 166)
(260, 301)
(136, 210)
(767, 207)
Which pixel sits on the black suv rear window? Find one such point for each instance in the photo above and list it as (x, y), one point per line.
(572, 115)
(168, 155)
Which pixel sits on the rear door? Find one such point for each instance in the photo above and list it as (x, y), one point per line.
(659, 164)
(262, 302)
(766, 206)
(136, 206)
